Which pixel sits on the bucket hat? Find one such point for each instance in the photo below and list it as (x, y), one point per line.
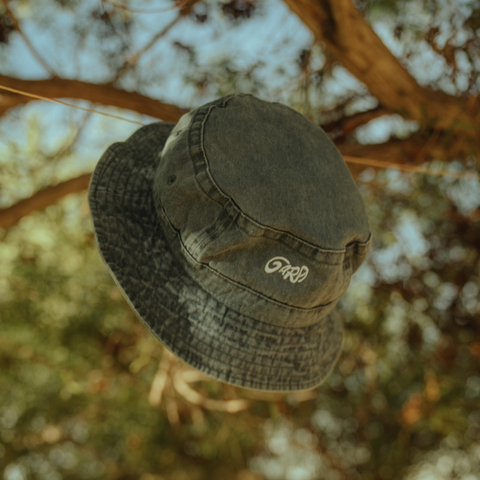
(232, 235)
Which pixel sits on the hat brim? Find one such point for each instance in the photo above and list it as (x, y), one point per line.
(187, 320)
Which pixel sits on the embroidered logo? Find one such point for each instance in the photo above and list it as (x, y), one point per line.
(284, 267)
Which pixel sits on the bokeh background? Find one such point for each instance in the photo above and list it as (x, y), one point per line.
(87, 393)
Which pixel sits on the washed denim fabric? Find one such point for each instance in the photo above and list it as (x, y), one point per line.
(232, 235)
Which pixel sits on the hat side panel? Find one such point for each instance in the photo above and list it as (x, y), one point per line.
(254, 256)
(179, 197)
(256, 269)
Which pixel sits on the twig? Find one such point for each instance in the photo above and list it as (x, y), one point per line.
(348, 124)
(172, 410)
(160, 380)
(67, 148)
(137, 10)
(32, 49)
(298, 396)
(180, 380)
(133, 59)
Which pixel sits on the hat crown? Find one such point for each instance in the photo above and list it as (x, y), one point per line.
(260, 204)
(284, 172)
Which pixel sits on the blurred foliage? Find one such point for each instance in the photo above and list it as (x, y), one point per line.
(77, 369)
(76, 366)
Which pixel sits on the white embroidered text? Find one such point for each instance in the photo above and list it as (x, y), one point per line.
(284, 267)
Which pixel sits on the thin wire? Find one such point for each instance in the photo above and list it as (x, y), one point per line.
(347, 158)
(410, 168)
(68, 104)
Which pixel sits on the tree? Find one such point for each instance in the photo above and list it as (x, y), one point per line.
(87, 392)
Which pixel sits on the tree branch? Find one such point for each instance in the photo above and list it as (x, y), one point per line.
(135, 57)
(346, 34)
(42, 199)
(411, 151)
(30, 46)
(104, 94)
(178, 4)
(414, 150)
(348, 124)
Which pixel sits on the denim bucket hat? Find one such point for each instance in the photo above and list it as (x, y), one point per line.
(232, 235)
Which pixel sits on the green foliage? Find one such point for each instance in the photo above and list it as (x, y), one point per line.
(76, 366)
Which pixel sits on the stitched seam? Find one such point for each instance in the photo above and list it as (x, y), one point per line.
(207, 164)
(240, 211)
(241, 285)
(206, 235)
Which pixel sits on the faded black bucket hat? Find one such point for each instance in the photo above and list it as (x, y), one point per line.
(232, 235)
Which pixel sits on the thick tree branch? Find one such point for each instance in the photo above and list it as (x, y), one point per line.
(42, 199)
(346, 34)
(105, 94)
